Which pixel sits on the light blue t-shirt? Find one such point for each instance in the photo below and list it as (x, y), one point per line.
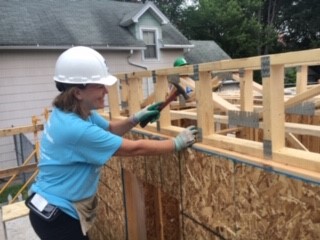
(72, 152)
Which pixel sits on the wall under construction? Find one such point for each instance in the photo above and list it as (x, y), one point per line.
(254, 172)
(201, 195)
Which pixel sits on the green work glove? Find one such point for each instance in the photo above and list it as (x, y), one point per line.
(186, 138)
(150, 114)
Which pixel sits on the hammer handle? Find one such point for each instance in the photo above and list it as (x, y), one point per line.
(162, 106)
(168, 100)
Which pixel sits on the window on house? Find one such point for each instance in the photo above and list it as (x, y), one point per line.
(149, 37)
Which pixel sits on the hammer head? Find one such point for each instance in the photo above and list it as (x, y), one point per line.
(180, 90)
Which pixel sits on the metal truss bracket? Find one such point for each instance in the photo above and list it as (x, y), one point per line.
(154, 76)
(241, 72)
(267, 148)
(126, 79)
(243, 118)
(124, 104)
(265, 66)
(199, 135)
(196, 72)
(307, 109)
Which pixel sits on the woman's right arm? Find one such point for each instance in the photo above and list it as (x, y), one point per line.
(154, 147)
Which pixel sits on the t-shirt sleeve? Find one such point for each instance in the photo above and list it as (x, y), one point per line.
(97, 146)
(100, 121)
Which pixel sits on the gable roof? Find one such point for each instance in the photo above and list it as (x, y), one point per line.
(134, 15)
(63, 23)
(205, 51)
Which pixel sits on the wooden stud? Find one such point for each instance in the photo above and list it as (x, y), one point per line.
(134, 200)
(113, 98)
(133, 99)
(301, 79)
(204, 104)
(161, 89)
(273, 108)
(246, 91)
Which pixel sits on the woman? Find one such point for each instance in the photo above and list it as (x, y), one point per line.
(77, 142)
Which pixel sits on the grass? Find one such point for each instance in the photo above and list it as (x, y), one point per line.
(12, 190)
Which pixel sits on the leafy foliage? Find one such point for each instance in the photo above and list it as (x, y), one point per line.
(247, 27)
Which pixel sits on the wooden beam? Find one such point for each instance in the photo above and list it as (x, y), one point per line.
(295, 142)
(260, 162)
(113, 98)
(298, 158)
(161, 91)
(6, 132)
(229, 130)
(133, 104)
(158, 213)
(204, 104)
(301, 79)
(221, 103)
(4, 173)
(124, 90)
(299, 98)
(277, 114)
(246, 91)
(236, 145)
(135, 209)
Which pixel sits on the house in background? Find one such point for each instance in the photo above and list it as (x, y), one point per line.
(204, 51)
(131, 37)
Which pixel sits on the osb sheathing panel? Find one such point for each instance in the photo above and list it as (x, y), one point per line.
(110, 222)
(192, 231)
(170, 214)
(136, 164)
(170, 174)
(153, 170)
(150, 211)
(216, 197)
(208, 187)
(272, 206)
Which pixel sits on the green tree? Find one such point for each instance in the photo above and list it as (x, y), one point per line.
(235, 25)
(247, 27)
(298, 24)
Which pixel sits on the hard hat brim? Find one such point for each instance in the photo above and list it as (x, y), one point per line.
(108, 81)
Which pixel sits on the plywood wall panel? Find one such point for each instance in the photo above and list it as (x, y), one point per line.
(170, 217)
(135, 164)
(272, 206)
(115, 163)
(208, 187)
(207, 196)
(192, 231)
(112, 179)
(153, 170)
(170, 174)
(150, 211)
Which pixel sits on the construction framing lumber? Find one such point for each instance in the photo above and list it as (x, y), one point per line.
(17, 130)
(211, 109)
(4, 173)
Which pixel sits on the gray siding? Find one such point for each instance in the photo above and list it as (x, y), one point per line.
(27, 88)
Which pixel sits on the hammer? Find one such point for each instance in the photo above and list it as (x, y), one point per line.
(178, 90)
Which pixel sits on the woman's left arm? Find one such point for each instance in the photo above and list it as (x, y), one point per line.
(149, 113)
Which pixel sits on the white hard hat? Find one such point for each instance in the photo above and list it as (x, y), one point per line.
(82, 65)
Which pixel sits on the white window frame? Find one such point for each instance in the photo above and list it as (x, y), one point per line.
(155, 30)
